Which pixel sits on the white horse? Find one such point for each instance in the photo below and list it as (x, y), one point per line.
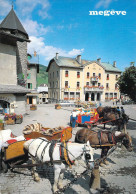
(39, 150)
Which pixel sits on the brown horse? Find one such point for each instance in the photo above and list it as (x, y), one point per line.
(103, 139)
(109, 114)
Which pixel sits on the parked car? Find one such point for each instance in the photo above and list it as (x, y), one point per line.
(128, 102)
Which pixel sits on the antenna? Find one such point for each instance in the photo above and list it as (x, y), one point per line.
(12, 3)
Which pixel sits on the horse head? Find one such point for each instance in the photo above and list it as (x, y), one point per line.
(127, 142)
(88, 155)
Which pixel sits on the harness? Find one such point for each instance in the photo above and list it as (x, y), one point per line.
(64, 154)
(51, 149)
(110, 137)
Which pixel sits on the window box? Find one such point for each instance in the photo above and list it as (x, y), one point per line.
(87, 77)
(78, 76)
(33, 107)
(66, 75)
(107, 78)
(66, 98)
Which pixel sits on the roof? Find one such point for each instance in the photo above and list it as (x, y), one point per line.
(33, 59)
(65, 62)
(72, 62)
(109, 67)
(8, 89)
(12, 22)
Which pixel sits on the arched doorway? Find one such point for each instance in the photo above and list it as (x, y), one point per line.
(98, 97)
(92, 97)
(86, 96)
(4, 106)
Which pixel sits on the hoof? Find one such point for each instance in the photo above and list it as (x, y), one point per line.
(106, 162)
(102, 164)
(36, 179)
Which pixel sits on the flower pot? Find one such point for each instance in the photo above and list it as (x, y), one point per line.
(33, 108)
(57, 107)
(10, 121)
(1, 126)
(18, 121)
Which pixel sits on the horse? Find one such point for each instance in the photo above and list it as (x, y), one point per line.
(103, 139)
(39, 150)
(114, 116)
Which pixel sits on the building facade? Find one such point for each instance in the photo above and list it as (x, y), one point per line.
(13, 64)
(32, 70)
(74, 79)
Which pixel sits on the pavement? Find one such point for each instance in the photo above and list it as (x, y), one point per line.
(118, 177)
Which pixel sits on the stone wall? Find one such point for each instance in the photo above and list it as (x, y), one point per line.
(33, 76)
(20, 105)
(8, 71)
(22, 61)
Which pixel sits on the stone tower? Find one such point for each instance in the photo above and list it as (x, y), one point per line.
(13, 51)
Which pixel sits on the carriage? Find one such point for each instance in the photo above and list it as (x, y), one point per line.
(13, 155)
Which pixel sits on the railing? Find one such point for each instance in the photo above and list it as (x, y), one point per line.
(93, 88)
(94, 79)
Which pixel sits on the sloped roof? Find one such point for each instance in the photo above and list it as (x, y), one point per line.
(72, 62)
(8, 89)
(12, 22)
(109, 67)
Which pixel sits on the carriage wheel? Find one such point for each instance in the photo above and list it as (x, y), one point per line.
(4, 167)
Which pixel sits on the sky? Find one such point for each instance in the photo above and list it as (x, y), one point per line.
(65, 27)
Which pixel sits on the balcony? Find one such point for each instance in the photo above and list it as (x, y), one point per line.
(94, 79)
(94, 88)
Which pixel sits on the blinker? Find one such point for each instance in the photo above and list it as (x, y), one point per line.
(87, 156)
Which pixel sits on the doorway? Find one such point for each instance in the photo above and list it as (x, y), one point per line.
(86, 96)
(98, 96)
(92, 97)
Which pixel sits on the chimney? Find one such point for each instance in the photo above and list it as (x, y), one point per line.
(79, 59)
(57, 55)
(114, 63)
(99, 60)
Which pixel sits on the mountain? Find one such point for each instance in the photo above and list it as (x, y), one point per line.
(42, 76)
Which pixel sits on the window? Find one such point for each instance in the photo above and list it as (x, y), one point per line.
(78, 74)
(116, 77)
(78, 95)
(93, 74)
(99, 84)
(28, 75)
(50, 84)
(66, 73)
(78, 84)
(66, 96)
(88, 74)
(57, 74)
(116, 86)
(66, 84)
(111, 95)
(56, 84)
(53, 74)
(106, 95)
(87, 83)
(53, 84)
(29, 85)
(50, 75)
(107, 76)
(107, 85)
(93, 84)
(99, 75)
(115, 95)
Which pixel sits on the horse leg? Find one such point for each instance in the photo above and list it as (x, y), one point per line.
(34, 173)
(60, 182)
(57, 170)
(103, 155)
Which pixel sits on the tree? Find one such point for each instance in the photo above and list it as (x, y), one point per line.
(127, 82)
